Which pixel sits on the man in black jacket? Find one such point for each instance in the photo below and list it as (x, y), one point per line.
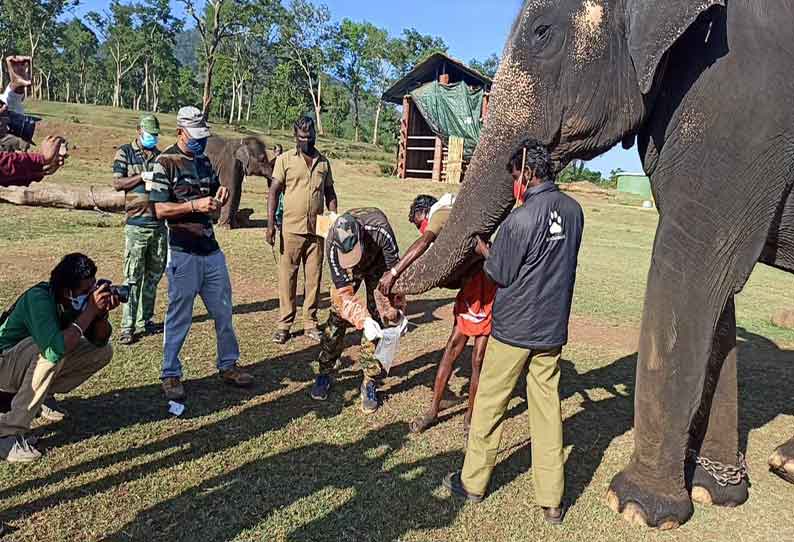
(533, 262)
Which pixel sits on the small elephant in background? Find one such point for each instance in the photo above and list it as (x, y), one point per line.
(233, 160)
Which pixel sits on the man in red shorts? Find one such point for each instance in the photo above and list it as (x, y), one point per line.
(473, 306)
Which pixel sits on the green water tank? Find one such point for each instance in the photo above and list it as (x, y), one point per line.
(635, 183)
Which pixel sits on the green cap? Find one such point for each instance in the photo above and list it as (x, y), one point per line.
(150, 124)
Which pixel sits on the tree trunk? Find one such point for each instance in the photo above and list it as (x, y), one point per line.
(248, 110)
(318, 105)
(240, 104)
(234, 97)
(146, 84)
(377, 123)
(53, 195)
(207, 98)
(68, 91)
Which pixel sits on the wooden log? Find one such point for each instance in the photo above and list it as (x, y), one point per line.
(65, 197)
(437, 158)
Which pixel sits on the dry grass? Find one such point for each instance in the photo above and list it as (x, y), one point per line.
(270, 464)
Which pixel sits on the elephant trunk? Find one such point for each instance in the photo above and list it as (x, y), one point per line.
(484, 201)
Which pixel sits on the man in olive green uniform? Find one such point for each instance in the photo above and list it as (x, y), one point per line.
(146, 249)
(304, 176)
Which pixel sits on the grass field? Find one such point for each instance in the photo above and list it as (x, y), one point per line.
(269, 464)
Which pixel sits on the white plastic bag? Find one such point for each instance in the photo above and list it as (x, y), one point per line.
(389, 344)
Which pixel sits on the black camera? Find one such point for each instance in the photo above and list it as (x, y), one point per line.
(121, 291)
(22, 126)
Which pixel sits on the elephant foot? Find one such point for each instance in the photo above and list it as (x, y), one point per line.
(782, 461)
(707, 491)
(648, 504)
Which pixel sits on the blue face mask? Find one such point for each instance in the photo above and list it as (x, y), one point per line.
(197, 146)
(148, 141)
(79, 302)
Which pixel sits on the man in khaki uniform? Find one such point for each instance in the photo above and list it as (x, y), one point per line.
(533, 263)
(304, 177)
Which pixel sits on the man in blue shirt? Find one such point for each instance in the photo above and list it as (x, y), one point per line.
(533, 263)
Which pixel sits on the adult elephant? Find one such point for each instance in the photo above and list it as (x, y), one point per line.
(233, 160)
(705, 88)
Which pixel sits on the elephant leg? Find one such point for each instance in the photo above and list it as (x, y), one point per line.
(229, 211)
(715, 433)
(686, 295)
(782, 461)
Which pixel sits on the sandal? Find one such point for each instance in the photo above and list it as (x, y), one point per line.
(421, 423)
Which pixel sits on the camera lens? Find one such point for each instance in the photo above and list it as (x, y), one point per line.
(22, 126)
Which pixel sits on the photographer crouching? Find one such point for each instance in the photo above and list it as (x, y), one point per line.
(52, 339)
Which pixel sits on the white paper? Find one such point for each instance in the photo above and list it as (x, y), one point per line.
(176, 408)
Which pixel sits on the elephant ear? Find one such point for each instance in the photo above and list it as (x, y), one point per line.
(654, 26)
(243, 155)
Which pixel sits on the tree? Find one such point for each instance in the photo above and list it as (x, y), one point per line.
(124, 40)
(336, 107)
(80, 45)
(487, 67)
(160, 59)
(409, 50)
(219, 21)
(577, 172)
(305, 37)
(358, 49)
(278, 103)
(35, 21)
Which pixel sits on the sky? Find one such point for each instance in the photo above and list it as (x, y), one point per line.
(471, 29)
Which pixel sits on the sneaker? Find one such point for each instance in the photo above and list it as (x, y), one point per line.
(127, 337)
(281, 336)
(173, 389)
(51, 411)
(321, 386)
(314, 334)
(454, 484)
(150, 328)
(236, 377)
(16, 449)
(369, 397)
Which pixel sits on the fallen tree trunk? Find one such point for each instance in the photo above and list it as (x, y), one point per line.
(53, 195)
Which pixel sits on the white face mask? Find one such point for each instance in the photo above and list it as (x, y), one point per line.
(79, 302)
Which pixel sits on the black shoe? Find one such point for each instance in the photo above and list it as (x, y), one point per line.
(455, 486)
(127, 337)
(321, 387)
(281, 336)
(150, 328)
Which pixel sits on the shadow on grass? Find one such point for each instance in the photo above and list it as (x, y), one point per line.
(372, 498)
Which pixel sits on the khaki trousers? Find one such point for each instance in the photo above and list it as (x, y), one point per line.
(501, 370)
(296, 250)
(27, 374)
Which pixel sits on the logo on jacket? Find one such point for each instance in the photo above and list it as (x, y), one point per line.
(556, 232)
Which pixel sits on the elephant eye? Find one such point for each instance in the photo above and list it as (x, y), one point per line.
(542, 31)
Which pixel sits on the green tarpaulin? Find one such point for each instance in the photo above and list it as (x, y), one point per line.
(452, 110)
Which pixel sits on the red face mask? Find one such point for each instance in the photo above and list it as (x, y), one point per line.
(519, 189)
(423, 225)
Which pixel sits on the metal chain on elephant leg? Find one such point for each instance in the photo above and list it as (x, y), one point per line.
(725, 475)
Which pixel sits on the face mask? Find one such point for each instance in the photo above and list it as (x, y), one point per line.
(197, 146)
(519, 189)
(307, 147)
(148, 141)
(79, 302)
(423, 225)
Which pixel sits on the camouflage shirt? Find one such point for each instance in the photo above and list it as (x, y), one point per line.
(133, 160)
(179, 178)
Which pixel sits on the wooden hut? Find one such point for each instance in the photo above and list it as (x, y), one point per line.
(424, 153)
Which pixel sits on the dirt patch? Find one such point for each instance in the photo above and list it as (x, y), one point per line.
(584, 187)
(583, 330)
(784, 319)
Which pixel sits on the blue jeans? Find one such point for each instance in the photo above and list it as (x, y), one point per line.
(190, 275)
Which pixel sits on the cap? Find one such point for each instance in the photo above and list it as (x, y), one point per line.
(345, 236)
(192, 120)
(150, 124)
